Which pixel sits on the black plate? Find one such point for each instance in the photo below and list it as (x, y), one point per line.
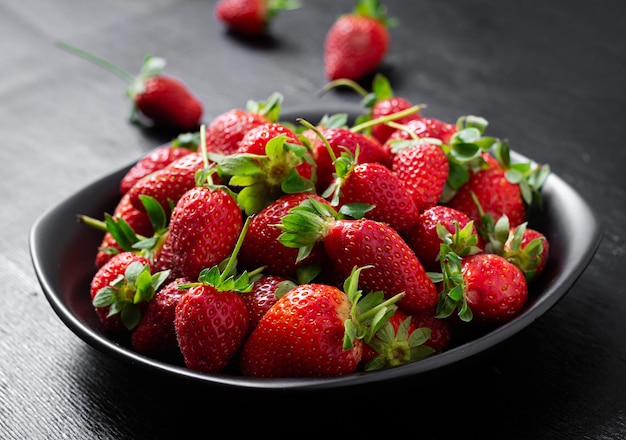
(63, 253)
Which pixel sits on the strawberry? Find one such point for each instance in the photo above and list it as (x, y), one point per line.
(425, 237)
(342, 139)
(405, 338)
(211, 319)
(376, 185)
(262, 248)
(251, 17)
(314, 330)
(357, 42)
(159, 158)
(122, 288)
(264, 294)
(483, 288)
(226, 130)
(203, 230)
(165, 100)
(168, 184)
(155, 334)
(423, 167)
(349, 243)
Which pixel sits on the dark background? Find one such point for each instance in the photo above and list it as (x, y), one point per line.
(549, 76)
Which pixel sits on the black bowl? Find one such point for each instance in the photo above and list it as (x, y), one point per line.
(63, 252)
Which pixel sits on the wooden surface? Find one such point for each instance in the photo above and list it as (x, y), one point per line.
(549, 76)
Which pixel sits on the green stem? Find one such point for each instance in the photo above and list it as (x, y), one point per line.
(319, 134)
(344, 82)
(388, 118)
(126, 76)
(233, 257)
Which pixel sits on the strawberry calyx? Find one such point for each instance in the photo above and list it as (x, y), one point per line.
(270, 108)
(123, 295)
(376, 10)
(398, 347)
(451, 296)
(274, 7)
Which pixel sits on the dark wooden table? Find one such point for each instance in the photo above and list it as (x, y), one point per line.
(549, 76)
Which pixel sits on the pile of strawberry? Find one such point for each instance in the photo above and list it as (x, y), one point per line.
(272, 248)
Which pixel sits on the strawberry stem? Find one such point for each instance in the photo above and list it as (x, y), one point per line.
(307, 124)
(126, 76)
(387, 118)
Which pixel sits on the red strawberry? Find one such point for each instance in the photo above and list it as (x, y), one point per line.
(251, 17)
(264, 294)
(159, 158)
(423, 167)
(226, 130)
(203, 229)
(376, 185)
(350, 243)
(262, 248)
(304, 333)
(155, 334)
(357, 42)
(492, 289)
(405, 338)
(425, 240)
(122, 288)
(163, 99)
(340, 139)
(168, 184)
(440, 129)
(211, 318)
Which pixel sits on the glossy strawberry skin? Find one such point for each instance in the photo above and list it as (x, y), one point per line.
(375, 184)
(496, 195)
(262, 297)
(261, 246)
(302, 336)
(495, 289)
(396, 269)
(227, 129)
(424, 170)
(211, 326)
(244, 16)
(105, 275)
(155, 335)
(354, 46)
(531, 234)
(155, 160)
(169, 103)
(204, 227)
(370, 150)
(386, 107)
(168, 184)
(423, 238)
(137, 220)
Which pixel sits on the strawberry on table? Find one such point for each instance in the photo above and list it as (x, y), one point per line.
(251, 17)
(357, 42)
(314, 330)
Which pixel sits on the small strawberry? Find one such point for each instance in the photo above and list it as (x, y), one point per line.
(264, 294)
(314, 330)
(211, 319)
(203, 229)
(262, 248)
(251, 17)
(350, 243)
(155, 334)
(226, 130)
(164, 100)
(483, 288)
(425, 238)
(357, 42)
(122, 288)
(159, 158)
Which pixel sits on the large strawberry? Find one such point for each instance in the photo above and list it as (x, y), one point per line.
(251, 17)
(314, 330)
(349, 243)
(357, 42)
(165, 100)
(122, 288)
(226, 130)
(159, 158)
(262, 248)
(211, 319)
(483, 288)
(203, 229)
